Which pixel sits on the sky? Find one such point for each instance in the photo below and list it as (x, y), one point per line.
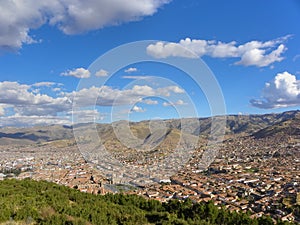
(65, 61)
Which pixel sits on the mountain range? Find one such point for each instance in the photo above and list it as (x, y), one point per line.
(166, 132)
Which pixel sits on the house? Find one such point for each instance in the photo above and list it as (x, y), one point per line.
(290, 217)
(2, 176)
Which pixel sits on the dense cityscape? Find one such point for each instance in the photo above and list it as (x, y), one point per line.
(257, 173)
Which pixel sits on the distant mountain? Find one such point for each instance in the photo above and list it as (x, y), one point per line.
(289, 127)
(236, 124)
(166, 133)
(12, 135)
(250, 124)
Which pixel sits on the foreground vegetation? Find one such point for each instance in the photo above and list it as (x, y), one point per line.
(32, 202)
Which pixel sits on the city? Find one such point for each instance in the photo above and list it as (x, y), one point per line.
(257, 173)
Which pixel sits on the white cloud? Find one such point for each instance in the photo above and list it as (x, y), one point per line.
(19, 17)
(166, 91)
(44, 84)
(2, 109)
(26, 104)
(163, 50)
(137, 109)
(101, 73)
(179, 102)
(253, 53)
(131, 70)
(16, 20)
(56, 89)
(23, 121)
(83, 116)
(81, 16)
(78, 72)
(15, 93)
(142, 90)
(150, 102)
(283, 91)
(167, 104)
(107, 96)
(259, 57)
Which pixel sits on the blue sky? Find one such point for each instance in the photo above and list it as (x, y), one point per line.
(46, 49)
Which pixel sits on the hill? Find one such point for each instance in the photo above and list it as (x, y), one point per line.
(30, 135)
(32, 202)
(290, 127)
(166, 137)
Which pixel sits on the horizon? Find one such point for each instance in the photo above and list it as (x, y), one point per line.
(149, 120)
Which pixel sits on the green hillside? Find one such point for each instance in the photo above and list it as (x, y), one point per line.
(32, 202)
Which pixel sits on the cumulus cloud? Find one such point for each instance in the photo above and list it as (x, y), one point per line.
(32, 108)
(19, 17)
(150, 102)
(258, 57)
(167, 104)
(2, 109)
(19, 94)
(179, 102)
(82, 116)
(108, 96)
(164, 50)
(44, 84)
(253, 53)
(137, 109)
(24, 121)
(101, 73)
(166, 91)
(78, 73)
(27, 104)
(283, 91)
(56, 89)
(131, 70)
(105, 96)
